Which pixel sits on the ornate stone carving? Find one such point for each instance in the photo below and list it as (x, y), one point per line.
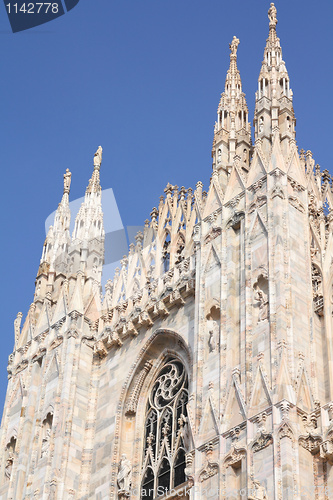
(45, 443)
(17, 326)
(326, 451)
(263, 438)
(213, 335)
(262, 298)
(98, 158)
(284, 406)
(211, 468)
(258, 492)
(296, 186)
(258, 202)
(277, 191)
(22, 366)
(72, 333)
(137, 386)
(112, 338)
(189, 470)
(160, 309)
(311, 443)
(9, 466)
(213, 233)
(295, 202)
(39, 355)
(235, 220)
(285, 431)
(235, 457)
(100, 349)
(57, 341)
(234, 46)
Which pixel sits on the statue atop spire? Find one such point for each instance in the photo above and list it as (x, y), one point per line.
(98, 158)
(274, 108)
(233, 46)
(67, 181)
(232, 131)
(272, 16)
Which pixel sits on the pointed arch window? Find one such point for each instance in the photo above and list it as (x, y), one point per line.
(166, 431)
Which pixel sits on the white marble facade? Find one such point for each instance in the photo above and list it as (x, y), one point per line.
(206, 366)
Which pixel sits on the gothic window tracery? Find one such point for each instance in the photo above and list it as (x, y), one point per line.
(166, 431)
(317, 289)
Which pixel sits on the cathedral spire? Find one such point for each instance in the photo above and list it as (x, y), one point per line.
(89, 226)
(232, 133)
(274, 107)
(58, 236)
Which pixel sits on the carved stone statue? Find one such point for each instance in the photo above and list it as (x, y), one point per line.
(219, 155)
(259, 491)
(67, 181)
(166, 255)
(184, 429)
(234, 45)
(262, 298)
(46, 442)
(272, 15)
(9, 466)
(124, 477)
(261, 125)
(98, 157)
(213, 332)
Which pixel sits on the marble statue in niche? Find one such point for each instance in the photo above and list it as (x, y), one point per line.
(261, 297)
(124, 477)
(213, 326)
(258, 491)
(9, 466)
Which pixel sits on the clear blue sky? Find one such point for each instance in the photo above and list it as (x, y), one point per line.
(143, 79)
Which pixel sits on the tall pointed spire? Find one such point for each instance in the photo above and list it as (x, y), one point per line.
(89, 227)
(58, 236)
(232, 133)
(274, 107)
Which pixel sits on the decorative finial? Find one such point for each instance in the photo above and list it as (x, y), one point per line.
(233, 46)
(67, 181)
(98, 158)
(272, 16)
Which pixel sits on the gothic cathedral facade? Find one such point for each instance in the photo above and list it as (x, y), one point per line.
(205, 369)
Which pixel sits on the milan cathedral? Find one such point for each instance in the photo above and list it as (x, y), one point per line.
(204, 369)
